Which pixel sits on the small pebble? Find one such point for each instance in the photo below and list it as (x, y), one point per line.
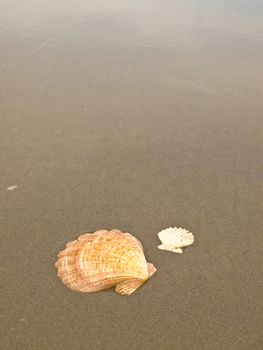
(11, 188)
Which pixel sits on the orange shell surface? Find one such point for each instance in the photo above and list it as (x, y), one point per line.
(103, 259)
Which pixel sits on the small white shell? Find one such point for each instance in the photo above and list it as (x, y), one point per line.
(174, 238)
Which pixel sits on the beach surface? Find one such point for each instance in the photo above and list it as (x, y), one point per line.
(136, 115)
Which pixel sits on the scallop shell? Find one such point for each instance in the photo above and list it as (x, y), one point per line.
(174, 239)
(103, 259)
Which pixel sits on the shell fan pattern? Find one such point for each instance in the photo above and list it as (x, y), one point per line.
(103, 259)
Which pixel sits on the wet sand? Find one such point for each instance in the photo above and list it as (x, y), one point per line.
(137, 116)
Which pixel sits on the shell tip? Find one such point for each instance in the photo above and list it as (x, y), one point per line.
(129, 286)
(151, 269)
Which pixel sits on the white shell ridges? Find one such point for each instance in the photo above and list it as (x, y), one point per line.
(175, 238)
(103, 259)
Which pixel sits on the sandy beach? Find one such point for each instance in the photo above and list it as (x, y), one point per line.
(137, 116)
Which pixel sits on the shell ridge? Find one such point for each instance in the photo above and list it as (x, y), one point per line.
(103, 259)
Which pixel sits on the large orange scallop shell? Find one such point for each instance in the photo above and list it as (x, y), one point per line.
(103, 259)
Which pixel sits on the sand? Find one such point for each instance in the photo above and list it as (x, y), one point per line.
(137, 116)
